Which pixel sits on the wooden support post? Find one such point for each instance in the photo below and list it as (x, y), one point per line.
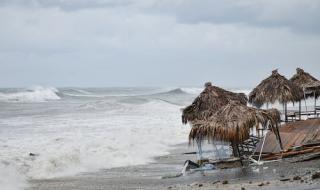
(279, 137)
(299, 110)
(285, 112)
(315, 103)
(235, 150)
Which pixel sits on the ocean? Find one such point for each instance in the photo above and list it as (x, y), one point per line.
(47, 132)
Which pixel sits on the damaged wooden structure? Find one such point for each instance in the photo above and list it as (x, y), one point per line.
(255, 134)
(217, 115)
(300, 137)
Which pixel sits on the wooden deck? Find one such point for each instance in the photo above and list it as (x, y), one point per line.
(293, 134)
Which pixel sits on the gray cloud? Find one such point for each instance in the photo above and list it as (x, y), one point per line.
(300, 16)
(153, 42)
(68, 5)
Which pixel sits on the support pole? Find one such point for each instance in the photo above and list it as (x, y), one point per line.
(315, 103)
(235, 149)
(285, 112)
(199, 144)
(299, 110)
(279, 137)
(305, 101)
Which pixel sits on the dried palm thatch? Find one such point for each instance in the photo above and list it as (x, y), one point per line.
(275, 88)
(312, 89)
(307, 82)
(232, 123)
(302, 78)
(210, 100)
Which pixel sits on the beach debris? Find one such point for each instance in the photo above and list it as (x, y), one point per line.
(304, 149)
(225, 182)
(315, 175)
(242, 188)
(33, 154)
(189, 153)
(215, 182)
(196, 184)
(296, 178)
(171, 176)
(284, 179)
(257, 170)
(261, 184)
(188, 164)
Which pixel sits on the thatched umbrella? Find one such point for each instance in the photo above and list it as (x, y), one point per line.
(309, 84)
(302, 78)
(220, 108)
(314, 89)
(275, 88)
(233, 123)
(210, 100)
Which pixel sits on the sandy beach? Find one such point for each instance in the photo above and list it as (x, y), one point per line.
(158, 175)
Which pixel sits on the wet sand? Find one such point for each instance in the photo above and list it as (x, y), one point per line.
(276, 175)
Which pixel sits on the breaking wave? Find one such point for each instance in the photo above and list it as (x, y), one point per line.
(103, 134)
(35, 94)
(181, 91)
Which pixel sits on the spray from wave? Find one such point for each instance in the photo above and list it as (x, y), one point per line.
(95, 134)
(34, 94)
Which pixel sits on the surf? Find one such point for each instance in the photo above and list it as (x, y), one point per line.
(33, 94)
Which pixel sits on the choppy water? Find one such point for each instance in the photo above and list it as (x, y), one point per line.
(74, 130)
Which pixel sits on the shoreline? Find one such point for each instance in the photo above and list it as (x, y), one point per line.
(276, 175)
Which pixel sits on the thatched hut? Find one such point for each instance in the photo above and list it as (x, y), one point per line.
(275, 88)
(309, 84)
(302, 78)
(209, 101)
(219, 115)
(233, 123)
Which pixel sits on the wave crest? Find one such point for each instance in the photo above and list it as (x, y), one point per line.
(34, 94)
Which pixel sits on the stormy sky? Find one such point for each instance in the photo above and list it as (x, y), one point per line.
(101, 43)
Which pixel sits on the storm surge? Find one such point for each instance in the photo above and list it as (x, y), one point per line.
(46, 138)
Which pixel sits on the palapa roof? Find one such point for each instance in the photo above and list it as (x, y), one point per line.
(307, 82)
(210, 100)
(232, 123)
(217, 114)
(275, 88)
(302, 78)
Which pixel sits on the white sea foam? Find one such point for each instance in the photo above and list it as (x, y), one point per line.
(195, 91)
(11, 179)
(69, 143)
(34, 94)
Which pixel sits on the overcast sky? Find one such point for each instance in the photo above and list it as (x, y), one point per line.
(156, 42)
